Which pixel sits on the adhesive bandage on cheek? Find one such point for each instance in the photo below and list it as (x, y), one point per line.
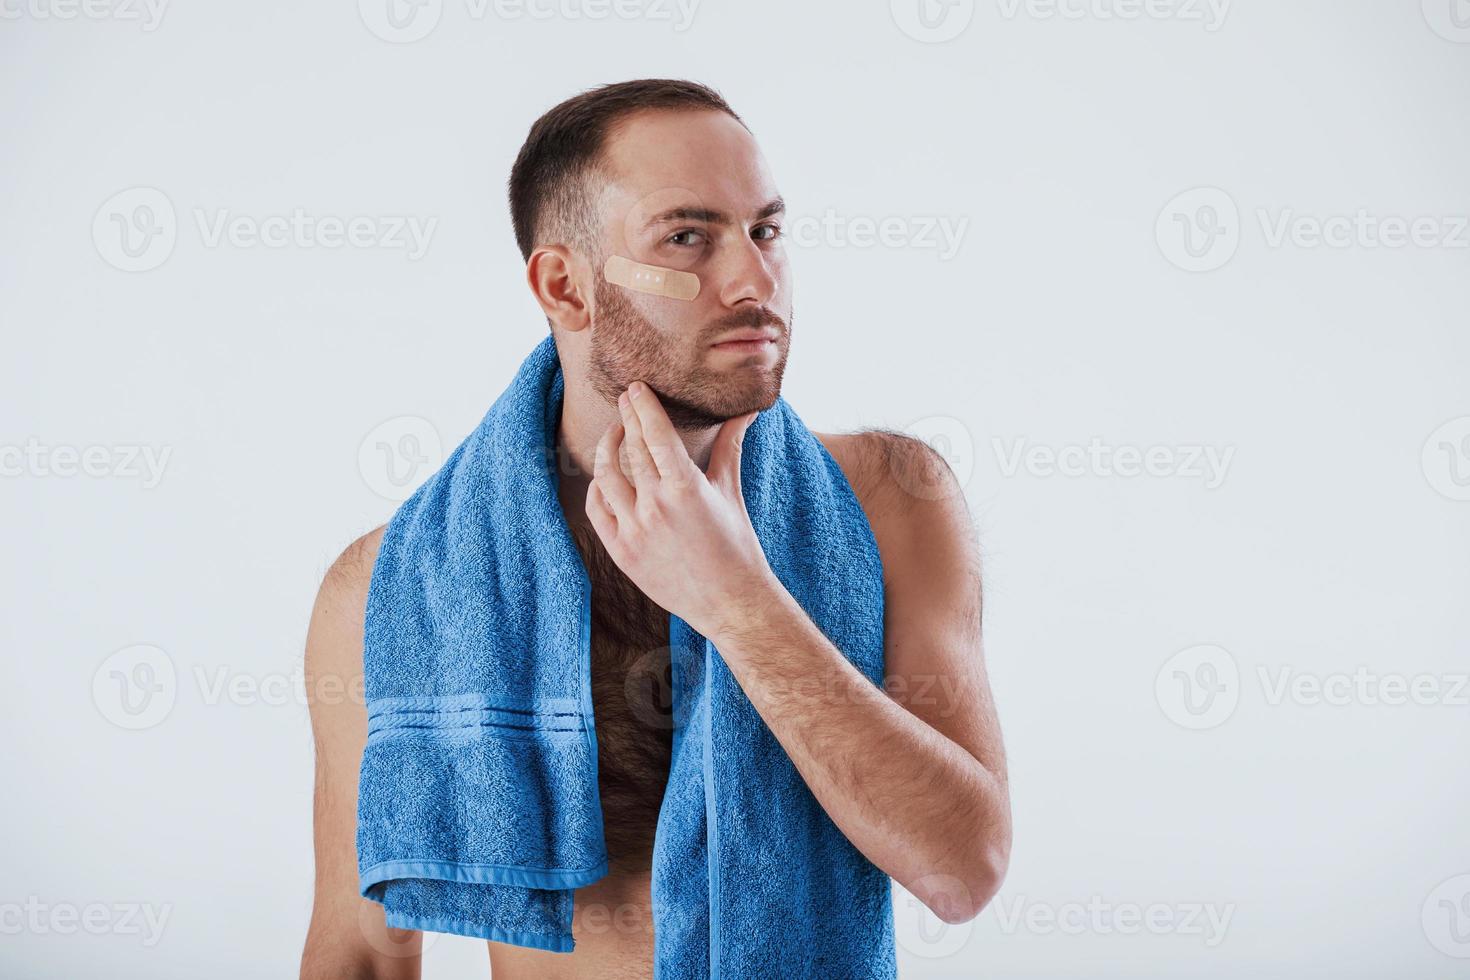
(653, 279)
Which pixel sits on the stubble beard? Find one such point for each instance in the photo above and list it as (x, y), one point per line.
(626, 347)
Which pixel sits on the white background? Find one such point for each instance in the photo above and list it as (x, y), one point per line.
(1331, 835)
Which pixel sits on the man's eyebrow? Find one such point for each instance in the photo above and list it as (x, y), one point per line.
(712, 217)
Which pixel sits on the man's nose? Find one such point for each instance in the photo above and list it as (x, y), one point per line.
(748, 275)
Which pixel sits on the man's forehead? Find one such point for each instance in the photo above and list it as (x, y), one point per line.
(658, 161)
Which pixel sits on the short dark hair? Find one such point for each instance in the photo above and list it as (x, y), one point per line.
(551, 194)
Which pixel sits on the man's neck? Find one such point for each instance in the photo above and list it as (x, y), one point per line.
(585, 418)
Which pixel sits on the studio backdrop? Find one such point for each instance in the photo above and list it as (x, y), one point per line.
(1179, 288)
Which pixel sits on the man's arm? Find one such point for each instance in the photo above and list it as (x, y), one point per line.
(347, 939)
(916, 780)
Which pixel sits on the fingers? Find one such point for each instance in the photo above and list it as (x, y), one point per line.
(640, 462)
(656, 432)
(724, 465)
(604, 521)
(608, 480)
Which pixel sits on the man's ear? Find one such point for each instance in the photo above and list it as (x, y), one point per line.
(554, 273)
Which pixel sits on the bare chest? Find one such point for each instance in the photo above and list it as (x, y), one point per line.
(632, 707)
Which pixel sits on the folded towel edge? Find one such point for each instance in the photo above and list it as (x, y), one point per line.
(463, 927)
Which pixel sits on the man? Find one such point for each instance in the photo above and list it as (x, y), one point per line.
(664, 173)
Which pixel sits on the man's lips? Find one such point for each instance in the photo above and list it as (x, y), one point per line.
(746, 340)
(745, 346)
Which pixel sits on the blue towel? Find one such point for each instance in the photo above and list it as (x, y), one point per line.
(478, 807)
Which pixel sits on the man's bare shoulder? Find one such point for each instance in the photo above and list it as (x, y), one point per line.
(893, 474)
(349, 574)
(348, 936)
(913, 501)
(341, 606)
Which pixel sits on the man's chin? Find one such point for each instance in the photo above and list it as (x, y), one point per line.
(706, 413)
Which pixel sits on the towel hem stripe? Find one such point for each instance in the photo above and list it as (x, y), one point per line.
(481, 874)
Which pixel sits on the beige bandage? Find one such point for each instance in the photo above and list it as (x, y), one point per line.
(653, 279)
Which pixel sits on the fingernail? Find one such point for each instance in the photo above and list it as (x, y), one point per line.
(635, 389)
(623, 400)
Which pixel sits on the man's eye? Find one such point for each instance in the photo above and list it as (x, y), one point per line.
(689, 236)
(775, 232)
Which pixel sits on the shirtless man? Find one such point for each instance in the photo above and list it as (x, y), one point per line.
(914, 773)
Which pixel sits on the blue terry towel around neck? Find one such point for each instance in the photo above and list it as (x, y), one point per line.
(478, 806)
